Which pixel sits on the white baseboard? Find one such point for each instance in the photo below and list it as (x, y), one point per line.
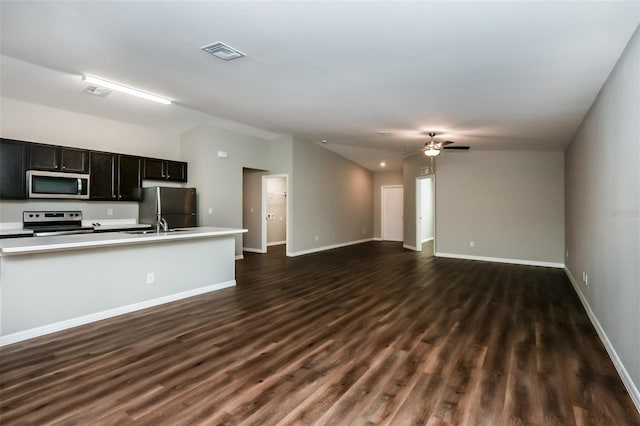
(253, 250)
(426, 240)
(86, 319)
(239, 256)
(407, 246)
(276, 243)
(377, 239)
(617, 362)
(501, 260)
(317, 249)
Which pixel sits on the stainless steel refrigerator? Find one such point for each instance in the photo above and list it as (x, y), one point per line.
(176, 205)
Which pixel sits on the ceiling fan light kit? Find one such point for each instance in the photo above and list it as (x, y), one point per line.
(431, 151)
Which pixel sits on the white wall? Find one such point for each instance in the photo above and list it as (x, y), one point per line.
(603, 212)
(95, 211)
(331, 197)
(219, 180)
(381, 179)
(39, 123)
(510, 203)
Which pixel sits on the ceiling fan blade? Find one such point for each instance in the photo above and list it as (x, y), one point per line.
(460, 147)
(446, 143)
(412, 153)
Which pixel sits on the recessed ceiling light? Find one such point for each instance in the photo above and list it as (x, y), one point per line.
(124, 89)
(383, 164)
(324, 141)
(223, 51)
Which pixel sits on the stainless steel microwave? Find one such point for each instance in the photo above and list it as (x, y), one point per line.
(43, 184)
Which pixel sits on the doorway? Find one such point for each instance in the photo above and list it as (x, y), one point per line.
(392, 216)
(275, 211)
(252, 210)
(425, 214)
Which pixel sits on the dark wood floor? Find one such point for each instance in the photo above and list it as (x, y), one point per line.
(369, 334)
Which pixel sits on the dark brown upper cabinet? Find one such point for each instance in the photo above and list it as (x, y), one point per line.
(115, 177)
(157, 169)
(74, 160)
(58, 158)
(13, 167)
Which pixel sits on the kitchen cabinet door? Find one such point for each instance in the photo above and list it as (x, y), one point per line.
(13, 162)
(44, 157)
(58, 158)
(154, 169)
(102, 167)
(129, 178)
(74, 160)
(176, 171)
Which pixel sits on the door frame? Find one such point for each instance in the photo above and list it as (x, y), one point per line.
(382, 188)
(287, 209)
(419, 182)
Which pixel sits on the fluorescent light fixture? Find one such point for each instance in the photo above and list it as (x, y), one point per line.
(124, 89)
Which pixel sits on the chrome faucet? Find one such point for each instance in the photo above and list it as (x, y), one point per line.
(161, 222)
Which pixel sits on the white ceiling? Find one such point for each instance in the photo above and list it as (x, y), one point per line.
(492, 75)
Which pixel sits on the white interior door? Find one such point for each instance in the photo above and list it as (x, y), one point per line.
(392, 213)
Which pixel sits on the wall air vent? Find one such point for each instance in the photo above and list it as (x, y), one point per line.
(222, 51)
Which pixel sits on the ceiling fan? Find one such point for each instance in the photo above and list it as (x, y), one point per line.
(433, 148)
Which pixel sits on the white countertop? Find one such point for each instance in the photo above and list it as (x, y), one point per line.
(27, 245)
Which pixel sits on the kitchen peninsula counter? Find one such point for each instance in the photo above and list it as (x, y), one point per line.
(53, 283)
(16, 246)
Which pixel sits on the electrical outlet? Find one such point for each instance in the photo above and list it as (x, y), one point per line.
(472, 244)
(150, 277)
(251, 209)
(586, 279)
(210, 210)
(109, 212)
(566, 254)
(364, 232)
(316, 238)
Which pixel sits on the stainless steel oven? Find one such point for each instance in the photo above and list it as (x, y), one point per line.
(46, 223)
(43, 184)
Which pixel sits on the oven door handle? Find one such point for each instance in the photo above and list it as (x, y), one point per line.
(79, 186)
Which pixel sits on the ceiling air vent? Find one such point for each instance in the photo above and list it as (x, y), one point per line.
(222, 51)
(97, 91)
